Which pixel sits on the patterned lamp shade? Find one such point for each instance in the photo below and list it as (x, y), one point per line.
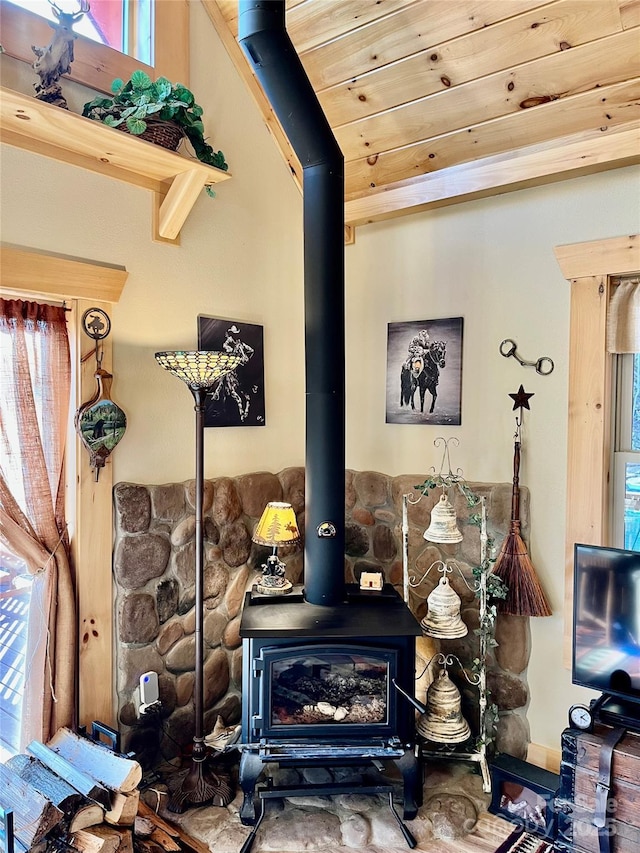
(277, 526)
(199, 369)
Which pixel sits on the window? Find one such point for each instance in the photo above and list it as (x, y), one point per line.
(84, 284)
(589, 268)
(124, 25)
(95, 65)
(626, 457)
(35, 377)
(15, 596)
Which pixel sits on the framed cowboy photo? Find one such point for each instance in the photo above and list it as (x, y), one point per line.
(424, 372)
(238, 397)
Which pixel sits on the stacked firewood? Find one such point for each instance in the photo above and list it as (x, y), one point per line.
(75, 794)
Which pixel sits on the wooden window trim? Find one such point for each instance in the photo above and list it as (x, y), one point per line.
(589, 268)
(85, 284)
(96, 65)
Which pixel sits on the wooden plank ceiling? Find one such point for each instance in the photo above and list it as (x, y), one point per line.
(434, 102)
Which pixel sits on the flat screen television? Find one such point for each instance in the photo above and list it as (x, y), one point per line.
(606, 621)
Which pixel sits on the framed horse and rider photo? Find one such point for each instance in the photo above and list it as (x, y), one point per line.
(424, 372)
(237, 399)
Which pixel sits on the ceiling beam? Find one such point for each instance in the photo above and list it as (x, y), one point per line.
(572, 156)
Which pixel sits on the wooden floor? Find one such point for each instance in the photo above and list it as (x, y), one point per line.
(14, 609)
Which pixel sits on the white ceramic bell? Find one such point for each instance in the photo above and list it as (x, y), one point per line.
(443, 614)
(443, 527)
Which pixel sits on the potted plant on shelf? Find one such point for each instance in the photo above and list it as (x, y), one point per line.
(158, 111)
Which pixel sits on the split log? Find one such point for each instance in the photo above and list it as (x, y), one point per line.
(122, 838)
(110, 769)
(81, 781)
(89, 814)
(165, 840)
(146, 811)
(143, 827)
(47, 783)
(111, 837)
(80, 812)
(124, 808)
(187, 842)
(33, 815)
(126, 841)
(91, 841)
(145, 845)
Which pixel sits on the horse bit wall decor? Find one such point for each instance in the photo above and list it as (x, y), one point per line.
(99, 422)
(544, 365)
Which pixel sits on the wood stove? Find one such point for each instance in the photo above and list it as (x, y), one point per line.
(317, 687)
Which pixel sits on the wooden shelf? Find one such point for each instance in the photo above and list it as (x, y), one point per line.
(176, 181)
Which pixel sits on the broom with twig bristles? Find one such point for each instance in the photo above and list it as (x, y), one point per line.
(513, 564)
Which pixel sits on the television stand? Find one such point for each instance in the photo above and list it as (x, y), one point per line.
(614, 711)
(584, 816)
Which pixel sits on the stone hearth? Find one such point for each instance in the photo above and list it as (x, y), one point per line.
(154, 576)
(446, 823)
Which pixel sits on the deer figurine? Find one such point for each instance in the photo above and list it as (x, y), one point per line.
(55, 60)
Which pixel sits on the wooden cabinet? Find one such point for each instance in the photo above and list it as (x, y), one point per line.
(576, 800)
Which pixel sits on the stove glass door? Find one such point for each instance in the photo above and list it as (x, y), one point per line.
(342, 688)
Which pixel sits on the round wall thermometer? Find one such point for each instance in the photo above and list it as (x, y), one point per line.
(580, 717)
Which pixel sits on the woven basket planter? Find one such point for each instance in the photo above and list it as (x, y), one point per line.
(163, 133)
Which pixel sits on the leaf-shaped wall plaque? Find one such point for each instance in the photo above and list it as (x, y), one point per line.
(100, 422)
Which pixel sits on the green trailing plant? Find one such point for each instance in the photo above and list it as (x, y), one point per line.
(448, 481)
(495, 589)
(488, 588)
(142, 100)
(492, 716)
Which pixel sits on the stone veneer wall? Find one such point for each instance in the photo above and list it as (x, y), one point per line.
(154, 559)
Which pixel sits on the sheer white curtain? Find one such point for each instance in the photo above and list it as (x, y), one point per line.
(35, 380)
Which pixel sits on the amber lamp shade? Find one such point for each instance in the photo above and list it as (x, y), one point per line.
(277, 526)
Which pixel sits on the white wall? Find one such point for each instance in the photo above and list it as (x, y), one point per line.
(492, 263)
(241, 258)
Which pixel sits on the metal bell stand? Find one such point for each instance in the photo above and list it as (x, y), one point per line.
(478, 755)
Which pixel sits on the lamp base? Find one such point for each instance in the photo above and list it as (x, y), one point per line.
(201, 787)
(283, 588)
(273, 581)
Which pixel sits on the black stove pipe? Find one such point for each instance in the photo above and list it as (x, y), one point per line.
(263, 37)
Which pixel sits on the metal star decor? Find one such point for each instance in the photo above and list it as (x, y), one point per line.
(521, 399)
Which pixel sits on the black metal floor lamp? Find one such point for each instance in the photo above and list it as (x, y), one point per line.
(200, 371)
